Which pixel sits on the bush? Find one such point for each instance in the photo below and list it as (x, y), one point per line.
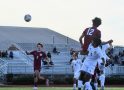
(58, 79)
(115, 80)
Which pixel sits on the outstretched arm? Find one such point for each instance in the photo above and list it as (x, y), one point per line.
(108, 42)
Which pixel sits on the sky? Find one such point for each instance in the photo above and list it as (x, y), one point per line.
(68, 17)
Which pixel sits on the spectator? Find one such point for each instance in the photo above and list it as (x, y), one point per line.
(55, 51)
(50, 62)
(49, 55)
(71, 51)
(116, 58)
(0, 54)
(123, 52)
(3, 54)
(11, 55)
(47, 62)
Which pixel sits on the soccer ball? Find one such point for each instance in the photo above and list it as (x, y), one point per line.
(27, 17)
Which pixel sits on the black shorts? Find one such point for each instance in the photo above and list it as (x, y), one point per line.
(39, 69)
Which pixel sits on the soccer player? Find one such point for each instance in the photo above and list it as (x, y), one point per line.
(101, 67)
(38, 56)
(89, 33)
(88, 67)
(76, 66)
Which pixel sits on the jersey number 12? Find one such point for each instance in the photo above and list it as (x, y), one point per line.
(90, 32)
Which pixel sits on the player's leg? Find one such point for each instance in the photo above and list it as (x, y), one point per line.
(35, 80)
(81, 78)
(42, 78)
(102, 81)
(95, 78)
(87, 81)
(96, 83)
(85, 77)
(92, 82)
(74, 83)
(79, 82)
(102, 78)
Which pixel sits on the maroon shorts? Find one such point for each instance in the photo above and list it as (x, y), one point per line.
(37, 68)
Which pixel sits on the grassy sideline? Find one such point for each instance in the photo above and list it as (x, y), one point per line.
(51, 88)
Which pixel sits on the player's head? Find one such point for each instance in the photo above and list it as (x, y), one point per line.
(96, 42)
(96, 21)
(75, 55)
(39, 46)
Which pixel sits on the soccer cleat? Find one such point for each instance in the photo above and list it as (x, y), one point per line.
(47, 82)
(102, 88)
(79, 88)
(35, 88)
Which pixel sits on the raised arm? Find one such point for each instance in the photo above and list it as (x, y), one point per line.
(80, 39)
(107, 42)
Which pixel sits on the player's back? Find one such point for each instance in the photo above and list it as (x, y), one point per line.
(93, 55)
(89, 34)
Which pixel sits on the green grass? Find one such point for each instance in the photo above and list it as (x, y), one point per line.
(48, 88)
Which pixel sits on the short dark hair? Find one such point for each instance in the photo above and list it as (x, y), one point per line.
(97, 41)
(40, 44)
(75, 53)
(96, 21)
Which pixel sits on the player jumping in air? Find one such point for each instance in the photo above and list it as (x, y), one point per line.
(76, 66)
(89, 33)
(38, 56)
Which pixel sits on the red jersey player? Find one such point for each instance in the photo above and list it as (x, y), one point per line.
(89, 33)
(38, 56)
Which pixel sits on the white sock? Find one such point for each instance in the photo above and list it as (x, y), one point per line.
(74, 86)
(88, 86)
(96, 85)
(80, 84)
(102, 80)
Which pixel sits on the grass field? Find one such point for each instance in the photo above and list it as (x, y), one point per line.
(50, 88)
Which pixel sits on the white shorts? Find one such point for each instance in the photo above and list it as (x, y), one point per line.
(89, 66)
(76, 75)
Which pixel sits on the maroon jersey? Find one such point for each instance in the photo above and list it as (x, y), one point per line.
(89, 34)
(38, 56)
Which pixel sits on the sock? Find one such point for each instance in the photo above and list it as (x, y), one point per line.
(47, 82)
(80, 84)
(96, 86)
(87, 86)
(79, 88)
(102, 80)
(35, 84)
(74, 86)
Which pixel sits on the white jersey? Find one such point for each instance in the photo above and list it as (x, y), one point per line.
(94, 53)
(76, 64)
(104, 48)
(92, 58)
